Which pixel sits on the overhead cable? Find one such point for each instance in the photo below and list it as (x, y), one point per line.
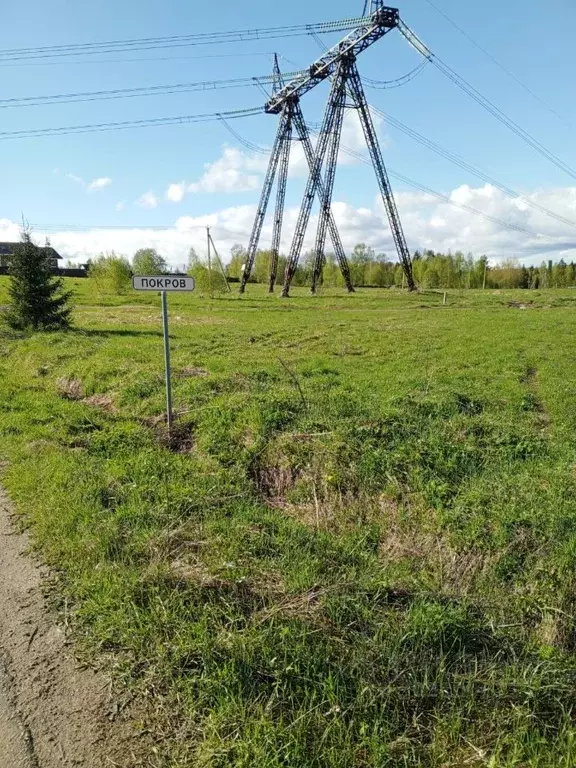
(398, 82)
(124, 93)
(501, 66)
(176, 41)
(241, 140)
(380, 84)
(118, 126)
(439, 196)
(467, 166)
(483, 101)
(98, 62)
(453, 157)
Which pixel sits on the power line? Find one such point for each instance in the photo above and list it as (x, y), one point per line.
(176, 41)
(444, 198)
(139, 59)
(501, 66)
(483, 101)
(118, 126)
(241, 140)
(453, 157)
(119, 227)
(399, 82)
(123, 93)
(467, 166)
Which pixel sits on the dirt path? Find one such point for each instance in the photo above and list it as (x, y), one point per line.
(14, 746)
(53, 714)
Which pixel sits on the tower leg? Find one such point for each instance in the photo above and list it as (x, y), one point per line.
(280, 199)
(359, 97)
(304, 136)
(330, 175)
(285, 121)
(315, 184)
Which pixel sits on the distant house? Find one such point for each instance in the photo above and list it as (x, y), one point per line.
(7, 249)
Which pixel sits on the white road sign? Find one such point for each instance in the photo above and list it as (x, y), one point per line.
(163, 283)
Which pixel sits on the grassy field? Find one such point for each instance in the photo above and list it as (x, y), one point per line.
(357, 550)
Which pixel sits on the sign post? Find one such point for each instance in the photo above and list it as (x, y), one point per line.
(164, 284)
(167, 368)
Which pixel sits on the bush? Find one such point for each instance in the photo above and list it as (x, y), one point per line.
(111, 273)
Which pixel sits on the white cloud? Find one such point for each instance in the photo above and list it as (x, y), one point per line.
(97, 184)
(90, 186)
(428, 223)
(232, 172)
(148, 200)
(76, 179)
(175, 192)
(240, 171)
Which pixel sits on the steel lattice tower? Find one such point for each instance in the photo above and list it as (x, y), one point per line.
(338, 65)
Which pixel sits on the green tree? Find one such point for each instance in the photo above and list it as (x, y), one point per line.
(111, 273)
(207, 281)
(38, 300)
(147, 261)
(237, 260)
(261, 270)
(360, 259)
(524, 281)
(193, 258)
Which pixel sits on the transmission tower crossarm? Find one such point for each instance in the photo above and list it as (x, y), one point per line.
(382, 21)
(359, 97)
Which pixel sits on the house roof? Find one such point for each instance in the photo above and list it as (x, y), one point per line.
(7, 249)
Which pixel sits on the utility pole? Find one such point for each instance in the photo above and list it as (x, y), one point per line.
(219, 262)
(209, 241)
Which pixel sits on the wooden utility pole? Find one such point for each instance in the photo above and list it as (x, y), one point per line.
(209, 240)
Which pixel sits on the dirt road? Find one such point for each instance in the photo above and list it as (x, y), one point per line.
(14, 748)
(53, 713)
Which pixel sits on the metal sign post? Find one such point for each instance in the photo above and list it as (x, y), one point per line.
(165, 283)
(167, 369)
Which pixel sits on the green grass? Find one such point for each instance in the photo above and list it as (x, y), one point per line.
(358, 551)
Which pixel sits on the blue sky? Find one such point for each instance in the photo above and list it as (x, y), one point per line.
(49, 179)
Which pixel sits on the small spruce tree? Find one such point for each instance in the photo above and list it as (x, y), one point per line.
(38, 300)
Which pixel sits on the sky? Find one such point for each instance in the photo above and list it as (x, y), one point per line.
(161, 186)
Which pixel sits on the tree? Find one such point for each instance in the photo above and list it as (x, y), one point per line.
(361, 257)
(207, 281)
(237, 261)
(111, 273)
(38, 299)
(147, 261)
(193, 258)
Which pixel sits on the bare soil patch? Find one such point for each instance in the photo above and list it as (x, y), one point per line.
(54, 712)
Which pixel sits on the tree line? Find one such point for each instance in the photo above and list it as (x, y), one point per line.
(431, 270)
(368, 268)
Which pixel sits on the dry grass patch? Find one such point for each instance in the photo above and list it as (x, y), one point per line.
(192, 372)
(104, 402)
(69, 388)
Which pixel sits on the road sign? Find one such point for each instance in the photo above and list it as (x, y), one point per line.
(163, 283)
